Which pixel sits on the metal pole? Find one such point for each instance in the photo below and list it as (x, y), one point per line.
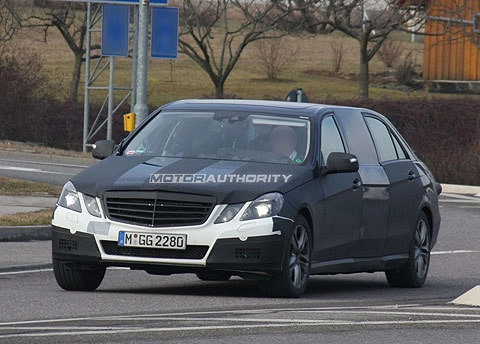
(111, 98)
(133, 100)
(86, 104)
(141, 108)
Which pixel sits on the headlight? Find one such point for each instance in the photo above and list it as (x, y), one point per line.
(229, 213)
(264, 206)
(92, 205)
(69, 198)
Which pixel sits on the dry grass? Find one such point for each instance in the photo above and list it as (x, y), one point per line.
(33, 148)
(35, 218)
(16, 187)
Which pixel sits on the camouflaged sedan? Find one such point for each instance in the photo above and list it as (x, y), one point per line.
(269, 191)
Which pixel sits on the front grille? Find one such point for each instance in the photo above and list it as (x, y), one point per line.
(192, 252)
(158, 209)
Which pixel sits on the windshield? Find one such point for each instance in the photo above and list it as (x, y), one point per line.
(225, 135)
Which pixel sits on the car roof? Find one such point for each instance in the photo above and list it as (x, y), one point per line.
(306, 109)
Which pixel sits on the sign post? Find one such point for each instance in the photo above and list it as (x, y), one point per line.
(115, 42)
(141, 107)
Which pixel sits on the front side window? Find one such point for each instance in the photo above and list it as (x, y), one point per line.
(331, 140)
(382, 138)
(224, 135)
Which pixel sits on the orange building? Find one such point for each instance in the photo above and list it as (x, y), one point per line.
(452, 45)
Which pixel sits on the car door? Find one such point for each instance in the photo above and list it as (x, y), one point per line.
(405, 190)
(375, 184)
(342, 203)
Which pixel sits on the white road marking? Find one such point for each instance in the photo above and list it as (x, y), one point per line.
(43, 163)
(454, 252)
(407, 309)
(23, 169)
(26, 169)
(60, 331)
(24, 272)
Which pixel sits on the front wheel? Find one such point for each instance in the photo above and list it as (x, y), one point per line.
(72, 278)
(414, 273)
(293, 279)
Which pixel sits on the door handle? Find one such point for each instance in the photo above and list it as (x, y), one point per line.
(411, 175)
(356, 183)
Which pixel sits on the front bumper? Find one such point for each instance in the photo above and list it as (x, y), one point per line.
(256, 254)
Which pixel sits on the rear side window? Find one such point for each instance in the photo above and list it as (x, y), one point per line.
(388, 147)
(331, 140)
(400, 152)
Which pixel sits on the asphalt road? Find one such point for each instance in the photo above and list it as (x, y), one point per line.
(134, 307)
(41, 167)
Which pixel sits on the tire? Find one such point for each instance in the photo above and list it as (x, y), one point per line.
(214, 276)
(414, 273)
(292, 281)
(70, 278)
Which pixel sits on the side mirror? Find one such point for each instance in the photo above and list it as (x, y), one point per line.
(103, 149)
(341, 163)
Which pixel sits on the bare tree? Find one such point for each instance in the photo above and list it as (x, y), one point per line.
(390, 52)
(370, 23)
(9, 22)
(70, 19)
(216, 32)
(274, 55)
(337, 55)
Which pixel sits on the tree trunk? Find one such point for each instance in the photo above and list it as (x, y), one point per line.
(364, 72)
(219, 85)
(77, 71)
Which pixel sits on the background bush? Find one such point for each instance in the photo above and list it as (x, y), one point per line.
(29, 110)
(444, 133)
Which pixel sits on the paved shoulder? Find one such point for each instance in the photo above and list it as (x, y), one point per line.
(17, 256)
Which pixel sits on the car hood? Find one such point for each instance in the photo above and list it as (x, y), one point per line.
(227, 181)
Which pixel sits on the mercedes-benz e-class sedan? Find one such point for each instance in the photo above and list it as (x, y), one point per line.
(269, 191)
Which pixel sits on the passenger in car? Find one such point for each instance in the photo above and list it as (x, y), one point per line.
(283, 141)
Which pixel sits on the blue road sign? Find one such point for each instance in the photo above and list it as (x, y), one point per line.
(158, 2)
(115, 30)
(164, 32)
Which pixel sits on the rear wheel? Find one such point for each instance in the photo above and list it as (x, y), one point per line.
(214, 276)
(69, 277)
(293, 279)
(414, 273)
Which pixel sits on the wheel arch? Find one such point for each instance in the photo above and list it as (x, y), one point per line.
(305, 212)
(428, 212)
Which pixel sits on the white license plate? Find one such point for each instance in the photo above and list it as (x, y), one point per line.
(166, 241)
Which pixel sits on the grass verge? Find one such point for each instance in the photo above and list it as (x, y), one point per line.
(34, 218)
(16, 187)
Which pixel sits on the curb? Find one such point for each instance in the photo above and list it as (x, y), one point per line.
(23, 268)
(25, 233)
(461, 189)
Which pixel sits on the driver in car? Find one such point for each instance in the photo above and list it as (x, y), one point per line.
(283, 141)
